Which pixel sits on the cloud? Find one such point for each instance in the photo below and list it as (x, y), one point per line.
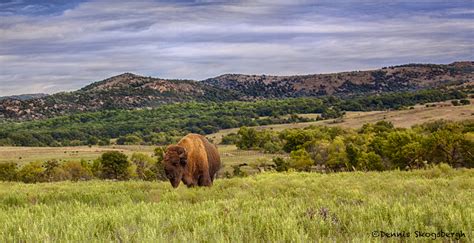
(64, 47)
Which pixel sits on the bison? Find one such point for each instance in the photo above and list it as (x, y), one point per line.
(194, 160)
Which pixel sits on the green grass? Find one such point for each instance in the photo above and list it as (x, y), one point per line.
(266, 207)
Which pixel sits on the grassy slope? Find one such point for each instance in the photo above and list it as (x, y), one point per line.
(400, 118)
(268, 207)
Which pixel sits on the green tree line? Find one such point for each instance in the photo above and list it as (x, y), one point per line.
(111, 165)
(378, 146)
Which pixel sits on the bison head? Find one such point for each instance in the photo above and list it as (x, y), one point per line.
(174, 163)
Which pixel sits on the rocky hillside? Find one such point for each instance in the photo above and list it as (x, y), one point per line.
(398, 78)
(130, 91)
(125, 91)
(24, 96)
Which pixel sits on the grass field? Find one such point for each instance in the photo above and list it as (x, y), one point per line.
(268, 207)
(29, 154)
(400, 118)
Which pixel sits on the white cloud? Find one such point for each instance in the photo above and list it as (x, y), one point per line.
(98, 39)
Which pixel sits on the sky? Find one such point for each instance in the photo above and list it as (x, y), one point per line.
(63, 45)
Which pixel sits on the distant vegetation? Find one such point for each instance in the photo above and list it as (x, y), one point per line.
(165, 124)
(374, 147)
(111, 165)
(377, 146)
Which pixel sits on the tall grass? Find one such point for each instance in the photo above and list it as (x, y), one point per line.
(266, 207)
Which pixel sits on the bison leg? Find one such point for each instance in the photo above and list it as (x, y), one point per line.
(205, 180)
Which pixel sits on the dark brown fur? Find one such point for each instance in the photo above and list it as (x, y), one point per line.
(194, 161)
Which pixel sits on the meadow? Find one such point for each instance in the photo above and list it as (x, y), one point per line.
(267, 207)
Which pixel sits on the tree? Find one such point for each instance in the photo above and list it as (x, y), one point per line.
(370, 161)
(450, 146)
(337, 157)
(129, 140)
(114, 165)
(403, 148)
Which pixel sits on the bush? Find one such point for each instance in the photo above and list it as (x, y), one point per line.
(230, 138)
(8, 171)
(281, 164)
(272, 147)
(50, 170)
(114, 165)
(300, 160)
(143, 164)
(77, 171)
(247, 138)
(158, 170)
(32, 172)
(237, 172)
(464, 102)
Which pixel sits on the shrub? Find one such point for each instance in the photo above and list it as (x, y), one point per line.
(103, 142)
(143, 164)
(247, 138)
(96, 167)
(157, 170)
(77, 171)
(237, 172)
(114, 165)
(300, 160)
(272, 147)
(50, 169)
(31, 173)
(8, 171)
(464, 102)
(230, 138)
(281, 164)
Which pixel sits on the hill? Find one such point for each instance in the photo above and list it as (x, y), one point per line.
(24, 96)
(389, 79)
(273, 207)
(125, 91)
(130, 91)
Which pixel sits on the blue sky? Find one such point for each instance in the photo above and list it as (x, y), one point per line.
(62, 45)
